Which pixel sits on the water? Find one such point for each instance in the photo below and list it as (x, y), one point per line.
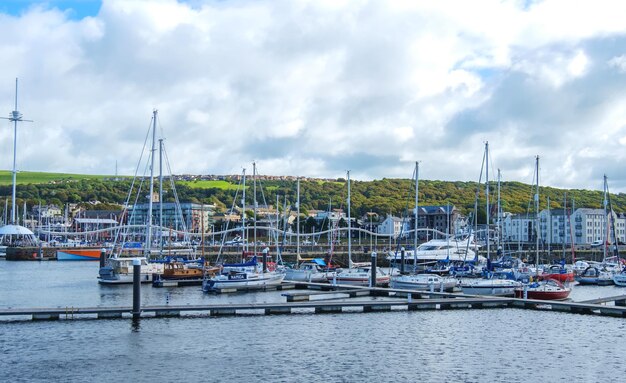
(495, 345)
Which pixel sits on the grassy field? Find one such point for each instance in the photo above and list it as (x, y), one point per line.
(217, 184)
(6, 178)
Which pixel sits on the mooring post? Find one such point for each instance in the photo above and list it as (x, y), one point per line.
(136, 288)
(265, 259)
(525, 291)
(373, 278)
(402, 260)
(103, 255)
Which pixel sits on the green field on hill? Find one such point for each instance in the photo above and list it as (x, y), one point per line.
(6, 178)
(205, 184)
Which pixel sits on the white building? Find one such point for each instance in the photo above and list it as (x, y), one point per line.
(585, 226)
(592, 225)
(518, 227)
(394, 226)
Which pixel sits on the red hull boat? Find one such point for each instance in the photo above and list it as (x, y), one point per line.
(559, 273)
(547, 290)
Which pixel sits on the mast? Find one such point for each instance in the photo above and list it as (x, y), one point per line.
(605, 225)
(14, 117)
(349, 227)
(161, 197)
(298, 223)
(537, 217)
(487, 193)
(499, 216)
(254, 201)
(277, 220)
(448, 230)
(549, 229)
(417, 172)
(330, 226)
(243, 212)
(612, 228)
(564, 221)
(149, 217)
(571, 232)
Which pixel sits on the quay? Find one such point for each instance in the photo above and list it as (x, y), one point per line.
(383, 299)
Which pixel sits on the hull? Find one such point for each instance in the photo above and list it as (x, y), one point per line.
(561, 277)
(360, 281)
(120, 271)
(543, 295)
(590, 281)
(422, 287)
(254, 282)
(307, 276)
(78, 255)
(117, 279)
(619, 279)
(498, 291)
(423, 283)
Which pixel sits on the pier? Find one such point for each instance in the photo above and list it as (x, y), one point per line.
(300, 302)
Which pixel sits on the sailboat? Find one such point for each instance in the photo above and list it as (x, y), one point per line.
(118, 268)
(497, 283)
(423, 281)
(248, 275)
(357, 274)
(306, 270)
(547, 289)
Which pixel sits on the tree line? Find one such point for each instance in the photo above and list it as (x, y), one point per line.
(385, 196)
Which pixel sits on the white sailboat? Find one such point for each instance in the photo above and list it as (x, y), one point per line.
(118, 267)
(250, 275)
(309, 270)
(357, 274)
(548, 289)
(424, 281)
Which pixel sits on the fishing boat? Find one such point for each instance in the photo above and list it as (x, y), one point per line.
(423, 282)
(120, 271)
(546, 290)
(78, 254)
(499, 283)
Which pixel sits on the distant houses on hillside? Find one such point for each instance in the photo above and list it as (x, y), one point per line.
(582, 226)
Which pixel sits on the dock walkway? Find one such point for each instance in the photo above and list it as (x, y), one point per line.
(379, 299)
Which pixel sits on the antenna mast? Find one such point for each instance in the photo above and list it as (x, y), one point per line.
(15, 116)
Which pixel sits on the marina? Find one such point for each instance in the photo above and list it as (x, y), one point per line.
(83, 310)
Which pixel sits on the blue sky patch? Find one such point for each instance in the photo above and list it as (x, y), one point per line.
(76, 9)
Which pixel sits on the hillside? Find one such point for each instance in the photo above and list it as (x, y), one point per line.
(381, 196)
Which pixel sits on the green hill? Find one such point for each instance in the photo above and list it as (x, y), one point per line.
(394, 196)
(6, 177)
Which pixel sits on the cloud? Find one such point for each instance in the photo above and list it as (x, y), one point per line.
(317, 87)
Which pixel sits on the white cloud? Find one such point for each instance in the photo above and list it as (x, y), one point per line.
(316, 87)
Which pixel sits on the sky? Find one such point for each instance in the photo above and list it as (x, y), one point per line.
(315, 88)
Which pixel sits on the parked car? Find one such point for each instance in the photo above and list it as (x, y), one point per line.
(597, 243)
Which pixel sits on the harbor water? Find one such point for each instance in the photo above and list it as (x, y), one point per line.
(489, 345)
